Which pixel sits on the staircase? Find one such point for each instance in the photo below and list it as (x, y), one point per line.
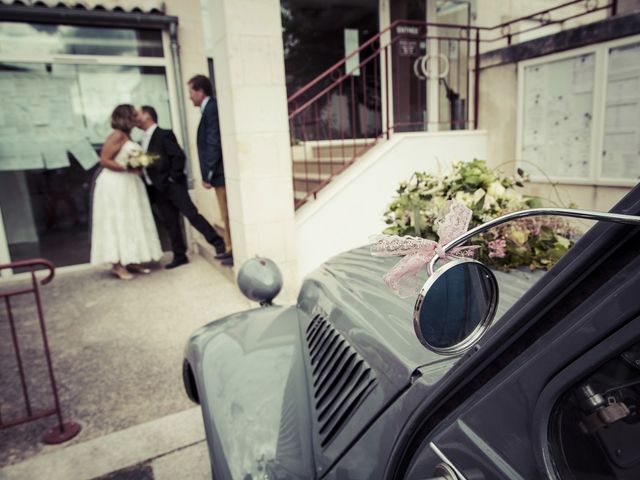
(372, 93)
(315, 165)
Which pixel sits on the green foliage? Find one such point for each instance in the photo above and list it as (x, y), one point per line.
(536, 242)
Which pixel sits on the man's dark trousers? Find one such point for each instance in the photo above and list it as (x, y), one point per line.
(170, 195)
(170, 203)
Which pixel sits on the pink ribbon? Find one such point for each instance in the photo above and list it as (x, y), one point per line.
(418, 252)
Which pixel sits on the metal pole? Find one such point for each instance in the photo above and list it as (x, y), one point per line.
(175, 57)
(476, 85)
(386, 86)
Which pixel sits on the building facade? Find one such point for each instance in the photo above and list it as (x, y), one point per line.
(64, 66)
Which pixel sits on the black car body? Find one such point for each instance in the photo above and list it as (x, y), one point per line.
(339, 387)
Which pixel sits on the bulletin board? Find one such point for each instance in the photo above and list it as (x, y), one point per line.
(579, 115)
(557, 118)
(620, 158)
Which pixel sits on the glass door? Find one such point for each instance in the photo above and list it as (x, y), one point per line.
(55, 117)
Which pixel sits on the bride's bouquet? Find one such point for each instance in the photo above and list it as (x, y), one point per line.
(139, 159)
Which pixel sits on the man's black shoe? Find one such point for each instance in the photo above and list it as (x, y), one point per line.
(227, 262)
(219, 245)
(176, 262)
(223, 255)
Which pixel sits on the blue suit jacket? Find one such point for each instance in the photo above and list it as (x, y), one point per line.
(209, 145)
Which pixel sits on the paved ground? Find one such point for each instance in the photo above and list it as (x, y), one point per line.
(170, 448)
(117, 349)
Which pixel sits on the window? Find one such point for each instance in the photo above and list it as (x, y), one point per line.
(595, 429)
(58, 87)
(35, 38)
(579, 115)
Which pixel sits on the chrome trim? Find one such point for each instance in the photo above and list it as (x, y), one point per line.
(477, 332)
(445, 460)
(562, 212)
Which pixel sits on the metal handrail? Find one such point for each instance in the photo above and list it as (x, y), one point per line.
(35, 262)
(63, 431)
(339, 107)
(501, 26)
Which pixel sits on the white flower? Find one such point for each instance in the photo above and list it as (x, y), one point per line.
(496, 189)
(489, 201)
(465, 198)
(478, 194)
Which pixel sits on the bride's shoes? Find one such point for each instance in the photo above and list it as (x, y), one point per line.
(121, 272)
(137, 268)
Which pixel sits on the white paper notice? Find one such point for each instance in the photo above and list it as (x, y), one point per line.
(620, 155)
(350, 45)
(85, 154)
(583, 74)
(16, 154)
(55, 157)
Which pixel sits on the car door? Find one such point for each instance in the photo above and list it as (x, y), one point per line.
(559, 363)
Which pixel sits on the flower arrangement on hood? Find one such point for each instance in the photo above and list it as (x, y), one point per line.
(535, 242)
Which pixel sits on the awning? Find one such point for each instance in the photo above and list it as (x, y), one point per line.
(103, 13)
(134, 6)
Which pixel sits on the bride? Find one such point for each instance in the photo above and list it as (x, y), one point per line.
(123, 230)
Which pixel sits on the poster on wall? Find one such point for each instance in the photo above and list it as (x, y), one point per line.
(557, 118)
(38, 122)
(49, 111)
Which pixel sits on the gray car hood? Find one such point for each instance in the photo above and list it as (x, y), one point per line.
(349, 289)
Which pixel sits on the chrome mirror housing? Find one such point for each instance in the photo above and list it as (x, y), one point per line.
(458, 302)
(456, 306)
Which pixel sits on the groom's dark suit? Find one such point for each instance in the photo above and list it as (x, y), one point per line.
(169, 192)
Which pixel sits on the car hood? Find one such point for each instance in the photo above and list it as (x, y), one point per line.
(350, 291)
(360, 350)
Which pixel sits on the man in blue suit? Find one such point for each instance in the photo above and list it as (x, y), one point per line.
(210, 152)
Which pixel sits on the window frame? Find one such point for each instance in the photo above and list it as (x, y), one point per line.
(601, 55)
(166, 62)
(569, 376)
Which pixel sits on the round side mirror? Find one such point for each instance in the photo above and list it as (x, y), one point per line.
(260, 280)
(455, 306)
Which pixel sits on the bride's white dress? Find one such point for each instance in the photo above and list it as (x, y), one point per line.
(123, 229)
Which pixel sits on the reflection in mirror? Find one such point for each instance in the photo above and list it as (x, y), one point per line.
(456, 306)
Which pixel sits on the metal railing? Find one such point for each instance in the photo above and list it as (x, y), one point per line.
(381, 88)
(63, 431)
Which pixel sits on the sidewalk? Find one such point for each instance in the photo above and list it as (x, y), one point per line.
(169, 448)
(117, 350)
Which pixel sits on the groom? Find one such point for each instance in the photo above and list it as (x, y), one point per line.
(167, 186)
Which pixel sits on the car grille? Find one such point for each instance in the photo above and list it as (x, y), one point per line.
(341, 378)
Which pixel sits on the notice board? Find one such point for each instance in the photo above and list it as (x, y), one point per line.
(557, 102)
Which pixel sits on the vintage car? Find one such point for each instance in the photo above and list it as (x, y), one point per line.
(355, 383)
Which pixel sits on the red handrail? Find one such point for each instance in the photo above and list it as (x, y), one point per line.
(339, 111)
(338, 64)
(63, 431)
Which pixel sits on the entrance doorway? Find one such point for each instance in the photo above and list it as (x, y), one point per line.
(58, 86)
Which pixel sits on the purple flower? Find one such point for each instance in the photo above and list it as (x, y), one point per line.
(497, 248)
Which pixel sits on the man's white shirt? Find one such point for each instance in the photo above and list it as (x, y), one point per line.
(146, 138)
(204, 104)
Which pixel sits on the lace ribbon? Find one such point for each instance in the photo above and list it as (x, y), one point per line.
(418, 252)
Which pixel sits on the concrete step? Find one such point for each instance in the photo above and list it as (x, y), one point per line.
(326, 169)
(348, 150)
(299, 158)
(304, 185)
(311, 175)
